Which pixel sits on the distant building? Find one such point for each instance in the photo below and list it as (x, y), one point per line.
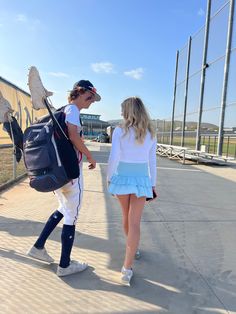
(92, 125)
(230, 130)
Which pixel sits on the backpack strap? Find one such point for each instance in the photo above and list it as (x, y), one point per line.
(55, 122)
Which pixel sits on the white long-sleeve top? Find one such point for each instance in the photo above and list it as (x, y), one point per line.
(127, 149)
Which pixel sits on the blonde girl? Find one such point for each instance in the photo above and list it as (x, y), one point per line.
(132, 173)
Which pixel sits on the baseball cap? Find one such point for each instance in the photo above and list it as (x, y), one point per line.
(89, 86)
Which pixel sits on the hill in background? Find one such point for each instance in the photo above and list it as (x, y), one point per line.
(165, 125)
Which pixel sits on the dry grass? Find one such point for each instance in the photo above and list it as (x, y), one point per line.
(6, 165)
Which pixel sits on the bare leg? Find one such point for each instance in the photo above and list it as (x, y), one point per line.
(125, 204)
(134, 218)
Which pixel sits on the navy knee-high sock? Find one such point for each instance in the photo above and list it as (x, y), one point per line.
(67, 240)
(52, 222)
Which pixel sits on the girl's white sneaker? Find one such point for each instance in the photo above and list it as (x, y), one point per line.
(126, 275)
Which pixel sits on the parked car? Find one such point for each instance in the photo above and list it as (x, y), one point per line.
(103, 138)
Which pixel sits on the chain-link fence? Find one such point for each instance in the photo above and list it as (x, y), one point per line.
(10, 169)
(204, 106)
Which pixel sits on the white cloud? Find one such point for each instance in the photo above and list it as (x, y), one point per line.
(30, 23)
(201, 12)
(102, 67)
(21, 18)
(135, 74)
(58, 74)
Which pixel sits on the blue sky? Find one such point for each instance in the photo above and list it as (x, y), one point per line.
(125, 47)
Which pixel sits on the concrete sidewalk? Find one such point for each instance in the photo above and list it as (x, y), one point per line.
(188, 262)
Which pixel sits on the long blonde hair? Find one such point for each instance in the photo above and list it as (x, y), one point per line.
(135, 115)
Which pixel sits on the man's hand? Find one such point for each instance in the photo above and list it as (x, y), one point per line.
(92, 163)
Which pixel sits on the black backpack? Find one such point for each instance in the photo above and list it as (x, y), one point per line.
(50, 158)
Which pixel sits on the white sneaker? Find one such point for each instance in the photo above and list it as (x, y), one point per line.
(37, 90)
(40, 254)
(74, 267)
(137, 254)
(126, 275)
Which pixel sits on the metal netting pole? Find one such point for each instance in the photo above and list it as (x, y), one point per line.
(186, 90)
(226, 77)
(204, 66)
(173, 108)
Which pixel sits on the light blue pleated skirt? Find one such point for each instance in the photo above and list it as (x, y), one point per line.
(131, 178)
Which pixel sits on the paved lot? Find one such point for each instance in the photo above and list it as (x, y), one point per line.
(188, 245)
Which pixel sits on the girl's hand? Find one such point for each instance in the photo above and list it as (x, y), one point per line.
(154, 192)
